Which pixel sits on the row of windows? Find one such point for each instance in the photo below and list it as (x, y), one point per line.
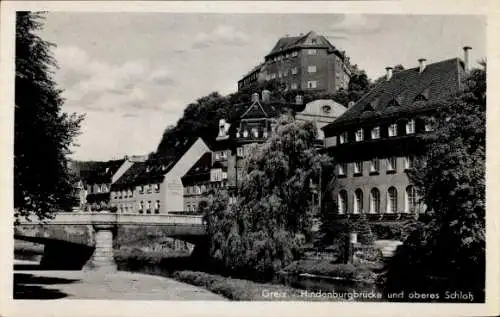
(392, 131)
(294, 71)
(201, 189)
(191, 207)
(142, 207)
(254, 132)
(391, 166)
(97, 188)
(410, 201)
(278, 58)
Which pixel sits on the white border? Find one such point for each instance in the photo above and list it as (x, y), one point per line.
(8, 307)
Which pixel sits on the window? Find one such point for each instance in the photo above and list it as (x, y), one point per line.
(343, 138)
(245, 133)
(393, 129)
(224, 175)
(410, 199)
(197, 190)
(374, 201)
(255, 132)
(374, 165)
(409, 162)
(239, 152)
(342, 169)
(359, 135)
(311, 52)
(130, 193)
(148, 208)
(141, 189)
(97, 189)
(410, 127)
(376, 133)
(148, 188)
(428, 125)
(141, 207)
(313, 41)
(311, 69)
(342, 202)
(285, 73)
(358, 201)
(294, 86)
(294, 71)
(295, 54)
(392, 200)
(391, 164)
(358, 168)
(312, 84)
(217, 156)
(273, 76)
(157, 188)
(157, 207)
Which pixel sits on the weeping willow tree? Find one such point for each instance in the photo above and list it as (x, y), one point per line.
(263, 230)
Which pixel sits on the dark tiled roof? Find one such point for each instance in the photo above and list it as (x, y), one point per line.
(128, 179)
(93, 172)
(201, 168)
(154, 171)
(406, 92)
(288, 43)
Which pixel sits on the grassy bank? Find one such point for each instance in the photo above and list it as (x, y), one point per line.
(245, 290)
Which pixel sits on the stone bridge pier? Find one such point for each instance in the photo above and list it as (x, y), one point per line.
(102, 258)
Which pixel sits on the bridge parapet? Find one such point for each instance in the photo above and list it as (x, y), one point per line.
(88, 218)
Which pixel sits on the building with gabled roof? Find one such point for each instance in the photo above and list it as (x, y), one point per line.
(155, 186)
(375, 141)
(308, 62)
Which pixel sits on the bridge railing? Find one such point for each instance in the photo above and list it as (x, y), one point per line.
(117, 218)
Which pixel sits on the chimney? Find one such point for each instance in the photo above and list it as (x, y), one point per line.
(388, 75)
(255, 97)
(298, 100)
(421, 64)
(466, 58)
(266, 95)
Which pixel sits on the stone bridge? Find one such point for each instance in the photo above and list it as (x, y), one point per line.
(84, 239)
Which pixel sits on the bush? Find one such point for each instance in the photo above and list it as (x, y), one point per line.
(394, 230)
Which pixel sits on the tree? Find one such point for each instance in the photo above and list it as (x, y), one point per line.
(43, 133)
(448, 251)
(263, 230)
(358, 86)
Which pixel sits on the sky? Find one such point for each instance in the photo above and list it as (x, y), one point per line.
(133, 74)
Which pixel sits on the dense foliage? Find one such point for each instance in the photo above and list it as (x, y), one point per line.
(448, 252)
(262, 231)
(43, 133)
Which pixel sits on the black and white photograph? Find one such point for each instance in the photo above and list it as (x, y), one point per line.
(335, 157)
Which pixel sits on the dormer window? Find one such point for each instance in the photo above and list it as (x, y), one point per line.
(375, 133)
(393, 130)
(327, 108)
(359, 135)
(239, 152)
(394, 103)
(245, 133)
(410, 127)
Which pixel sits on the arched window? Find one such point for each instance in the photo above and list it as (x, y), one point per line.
(392, 200)
(342, 202)
(410, 199)
(374, 201)
(358, 201)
